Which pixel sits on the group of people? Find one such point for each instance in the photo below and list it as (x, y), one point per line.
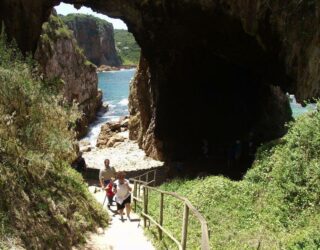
(117, 188)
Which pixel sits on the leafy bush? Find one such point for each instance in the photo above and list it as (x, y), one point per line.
(56, 29)
(275, 206)
(43, 201)
(127, 47)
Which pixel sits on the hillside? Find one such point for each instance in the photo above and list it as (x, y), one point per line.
(44, 203)
(127, 48)
(275, 206)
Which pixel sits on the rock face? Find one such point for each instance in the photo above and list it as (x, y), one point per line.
(141, 108)
(60, 57)
(217, 82)
(95, 36)
(109, 135)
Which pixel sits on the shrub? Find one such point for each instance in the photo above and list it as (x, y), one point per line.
(43, 201)
(275, 206)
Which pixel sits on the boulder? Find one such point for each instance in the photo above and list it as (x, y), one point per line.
(125, 123)
(85, 149)
(115, 139)
(115, 126)
(84, 143)
(104, 108)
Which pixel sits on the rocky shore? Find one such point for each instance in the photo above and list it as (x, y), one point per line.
(104, 68)
(114, 143)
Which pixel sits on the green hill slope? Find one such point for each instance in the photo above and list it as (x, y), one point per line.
(44, 204)
(276, 205)
(127, 47)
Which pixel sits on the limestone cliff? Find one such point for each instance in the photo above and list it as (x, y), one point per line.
(95, 36)
(60, 57)
(141, 124)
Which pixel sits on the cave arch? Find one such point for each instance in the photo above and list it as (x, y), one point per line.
(248, 55)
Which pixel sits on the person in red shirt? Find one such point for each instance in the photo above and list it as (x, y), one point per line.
(109, 192)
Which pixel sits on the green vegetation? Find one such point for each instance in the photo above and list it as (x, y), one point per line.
(101, 23)
(56, 29)
(127, 47)
(44, 204)
(275, 206)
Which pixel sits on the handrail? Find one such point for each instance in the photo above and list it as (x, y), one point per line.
(146, 177)
(138, 183)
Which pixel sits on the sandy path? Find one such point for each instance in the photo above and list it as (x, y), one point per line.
(119, 235)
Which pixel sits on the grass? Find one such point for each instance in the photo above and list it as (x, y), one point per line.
(56, 29)
(44, 203)
(275, 206)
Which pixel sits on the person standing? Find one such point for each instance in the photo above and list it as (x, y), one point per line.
(122, 192)
(106, 174)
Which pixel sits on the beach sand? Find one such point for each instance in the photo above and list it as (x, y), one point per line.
(127, 156)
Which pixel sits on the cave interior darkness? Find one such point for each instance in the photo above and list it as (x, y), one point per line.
(212, 104)
(214, 89)
(218, 91)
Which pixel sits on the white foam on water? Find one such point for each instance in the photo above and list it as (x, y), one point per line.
(111, 106)
(124, 102)
(117, 107)
(95, 128)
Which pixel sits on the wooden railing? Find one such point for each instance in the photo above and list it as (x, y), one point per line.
(141, 194)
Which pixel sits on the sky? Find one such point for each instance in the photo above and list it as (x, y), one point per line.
(65, 9)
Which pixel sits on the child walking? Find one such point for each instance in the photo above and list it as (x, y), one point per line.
(109, 192)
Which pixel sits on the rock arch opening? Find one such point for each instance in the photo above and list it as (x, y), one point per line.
(217, 85)
(212, 71)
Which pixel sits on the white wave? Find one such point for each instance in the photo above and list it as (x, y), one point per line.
(93, 134)
(95, 128)
(124, 102)
(112, 106)
(131, 69)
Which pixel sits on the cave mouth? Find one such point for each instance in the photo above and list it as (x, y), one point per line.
(216, 115)
(219, 100)
(217, 91)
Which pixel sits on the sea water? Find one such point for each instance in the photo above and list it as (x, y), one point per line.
(297, 108)
(115, 90)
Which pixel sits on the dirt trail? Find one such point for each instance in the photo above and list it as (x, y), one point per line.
(119, 235)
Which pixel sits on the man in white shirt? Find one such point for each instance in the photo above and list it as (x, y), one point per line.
(106, 174)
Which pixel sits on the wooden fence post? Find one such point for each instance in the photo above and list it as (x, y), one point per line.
(135, 195)
(139, 190)
(145, 205)
(185, 226)
(154, 177)
(161, 215)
